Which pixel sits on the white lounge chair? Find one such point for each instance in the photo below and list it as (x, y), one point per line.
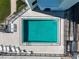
(1, 48)
(28, 52)
(12, 50)
(4, 49)
(23, 52)
(18, 51)
(8, 49)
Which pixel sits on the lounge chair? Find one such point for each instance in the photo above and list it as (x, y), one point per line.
(23, 52)
(12, 50)
(18, 51)
(1, 49)
(4, 50)
(29, 53)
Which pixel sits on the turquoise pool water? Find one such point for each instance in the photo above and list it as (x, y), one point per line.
(45, 30)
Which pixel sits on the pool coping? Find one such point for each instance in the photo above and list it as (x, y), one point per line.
(54, 44)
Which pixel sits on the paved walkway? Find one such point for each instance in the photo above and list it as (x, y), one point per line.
(13, 6)
(27, 57)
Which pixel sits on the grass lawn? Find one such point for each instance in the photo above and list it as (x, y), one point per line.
(4, 9)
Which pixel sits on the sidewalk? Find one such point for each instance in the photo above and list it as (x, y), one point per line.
(13, 6)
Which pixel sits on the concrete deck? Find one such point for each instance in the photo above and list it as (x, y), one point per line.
(13, 6)
(27, 57)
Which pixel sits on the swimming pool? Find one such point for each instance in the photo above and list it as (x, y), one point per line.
(36, 30)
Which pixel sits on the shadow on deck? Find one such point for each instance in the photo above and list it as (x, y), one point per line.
(50, 12)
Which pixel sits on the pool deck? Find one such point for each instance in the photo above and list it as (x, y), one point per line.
(28, 57)
(15, 38)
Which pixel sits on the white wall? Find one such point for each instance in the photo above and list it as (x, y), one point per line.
(29, 2)
(67, 4)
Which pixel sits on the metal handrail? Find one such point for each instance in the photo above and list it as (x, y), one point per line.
(13, 17)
